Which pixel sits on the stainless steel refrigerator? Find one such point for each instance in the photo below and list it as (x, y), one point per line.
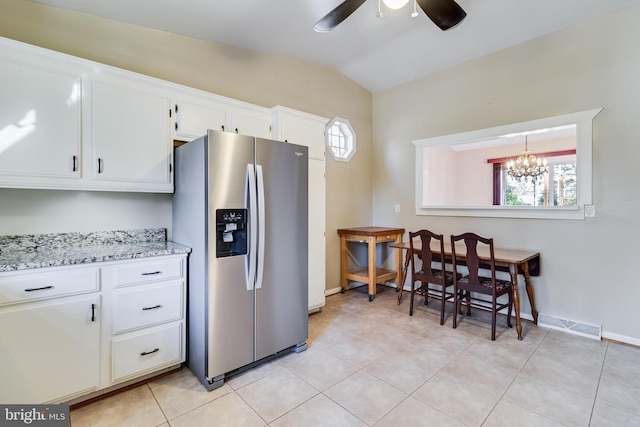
(240, 203)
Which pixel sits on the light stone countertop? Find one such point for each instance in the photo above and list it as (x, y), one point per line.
(31, 251)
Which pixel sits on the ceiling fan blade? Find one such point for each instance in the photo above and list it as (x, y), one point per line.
(337, 15)
(446, 14)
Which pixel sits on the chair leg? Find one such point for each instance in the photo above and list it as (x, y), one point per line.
(509, 309)
(442, 301)
(413, 292)
(493, 320)
(468, 303)
(455, 307)
(425, 288)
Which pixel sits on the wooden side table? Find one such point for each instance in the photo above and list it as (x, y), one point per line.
(372, 274)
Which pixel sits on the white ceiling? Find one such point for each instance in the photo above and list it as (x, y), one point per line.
(376, 53)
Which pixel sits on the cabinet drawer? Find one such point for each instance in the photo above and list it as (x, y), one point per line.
(148, 271)
(17, 288)
(145, 351)
(147, 305)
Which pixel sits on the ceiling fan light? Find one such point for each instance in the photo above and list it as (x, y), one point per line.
(395, 4)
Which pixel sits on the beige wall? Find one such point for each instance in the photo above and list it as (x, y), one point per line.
(248, 76)
(588, 267)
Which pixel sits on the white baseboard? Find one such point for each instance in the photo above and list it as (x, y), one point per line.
(621, 338)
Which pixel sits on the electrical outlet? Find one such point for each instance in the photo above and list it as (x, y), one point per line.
(397, 208)
(589, 211)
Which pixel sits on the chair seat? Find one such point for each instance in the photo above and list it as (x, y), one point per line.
(486, 282)
(436, 274)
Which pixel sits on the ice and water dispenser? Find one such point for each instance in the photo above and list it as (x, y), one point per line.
(231, 232)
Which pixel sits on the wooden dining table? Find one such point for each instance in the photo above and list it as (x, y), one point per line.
(513, 261)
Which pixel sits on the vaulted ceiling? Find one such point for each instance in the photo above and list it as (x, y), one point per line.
(376, 53)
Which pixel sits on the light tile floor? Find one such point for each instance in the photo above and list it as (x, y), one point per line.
(370, 363)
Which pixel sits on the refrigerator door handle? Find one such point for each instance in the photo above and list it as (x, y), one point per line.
(250, 259)
(261, 226)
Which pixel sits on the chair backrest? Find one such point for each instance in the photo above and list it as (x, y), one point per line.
(472, 260)
(426, 254)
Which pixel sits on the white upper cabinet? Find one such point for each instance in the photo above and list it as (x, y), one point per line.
(40, 120)
(193, 115)
(301, 128)
(71, 124)
(130, 135)
(251, 120)
(196, 111)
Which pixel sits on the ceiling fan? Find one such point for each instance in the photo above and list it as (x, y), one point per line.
(446, 14)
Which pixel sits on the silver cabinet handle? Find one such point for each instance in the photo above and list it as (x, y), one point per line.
(155, 350)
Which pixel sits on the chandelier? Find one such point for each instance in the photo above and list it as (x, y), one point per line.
(527, 165)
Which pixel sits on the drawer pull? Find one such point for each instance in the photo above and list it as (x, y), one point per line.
(155, 350)
(151, 273)
(93, 312)
(152, 308)
(44, 288)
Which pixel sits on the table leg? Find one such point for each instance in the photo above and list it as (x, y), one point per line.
(530, 294)
(405, 271)
(399, 281)
(513, 270)
(344, 264)
(371, 243)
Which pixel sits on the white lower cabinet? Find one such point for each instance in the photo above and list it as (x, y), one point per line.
(146, 350)
(67, 332)
(145, 326)
(49, 335)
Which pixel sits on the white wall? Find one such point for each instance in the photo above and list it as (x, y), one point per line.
(589, 268)
(51, 211)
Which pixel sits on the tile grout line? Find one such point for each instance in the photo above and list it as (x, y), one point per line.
(595, 397)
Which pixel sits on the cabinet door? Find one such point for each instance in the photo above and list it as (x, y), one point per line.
(49, 350)
(194, 116)
(251, 121)
(300, 128)
(130, 135)
(317, 254)
(40, 117)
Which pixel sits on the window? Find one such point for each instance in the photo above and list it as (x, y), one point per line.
(557, 187)
(340, 139)
(462, 174)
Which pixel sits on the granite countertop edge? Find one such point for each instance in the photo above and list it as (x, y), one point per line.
(65, 249)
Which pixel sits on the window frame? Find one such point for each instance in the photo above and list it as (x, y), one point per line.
(584, 163)
(350, 138)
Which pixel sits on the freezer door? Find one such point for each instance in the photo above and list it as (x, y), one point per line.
(282, 283)
(230, 299)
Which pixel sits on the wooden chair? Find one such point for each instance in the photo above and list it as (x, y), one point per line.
(474, 282)
(427, 275)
